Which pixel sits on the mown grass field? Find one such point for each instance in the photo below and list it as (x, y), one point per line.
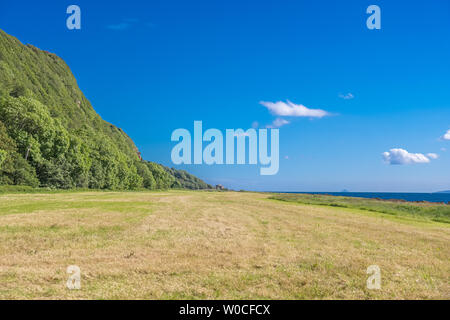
(214, 245)
(427, 211)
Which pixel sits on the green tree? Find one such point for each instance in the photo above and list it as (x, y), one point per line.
(149, 181)
(3, 155)
(163, 179)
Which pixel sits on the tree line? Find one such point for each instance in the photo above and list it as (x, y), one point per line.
(50, 136)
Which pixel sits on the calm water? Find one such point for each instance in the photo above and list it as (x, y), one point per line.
(431, 197)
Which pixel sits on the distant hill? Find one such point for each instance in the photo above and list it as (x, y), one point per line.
(445, 191)
(50, 135)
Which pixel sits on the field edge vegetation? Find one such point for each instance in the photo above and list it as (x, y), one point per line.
(421, 211)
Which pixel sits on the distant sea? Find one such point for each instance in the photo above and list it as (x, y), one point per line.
(431, 197)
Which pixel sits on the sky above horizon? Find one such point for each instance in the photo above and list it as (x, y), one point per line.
(151, 67)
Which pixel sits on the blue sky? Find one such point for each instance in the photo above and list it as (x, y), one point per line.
(154, 66)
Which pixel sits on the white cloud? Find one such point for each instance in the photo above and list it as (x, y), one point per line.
(347, 96)
(293, 110)
(446, 135)
(277, 123)
(401, 156)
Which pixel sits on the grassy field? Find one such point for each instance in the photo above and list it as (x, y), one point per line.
(418, 210)
(214, 245)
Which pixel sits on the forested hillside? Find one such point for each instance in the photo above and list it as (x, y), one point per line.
(50, 136)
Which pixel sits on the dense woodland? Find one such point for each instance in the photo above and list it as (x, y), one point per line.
(50, 136)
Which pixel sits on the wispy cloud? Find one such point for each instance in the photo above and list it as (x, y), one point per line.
(124, 24)
(241, 134)
(277, 123)
(399, 156)
(119, 26)
(293, 110)
(446, 136)
(131, 20)
(347, 96)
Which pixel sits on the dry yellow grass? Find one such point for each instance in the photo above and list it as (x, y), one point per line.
(211, 245)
